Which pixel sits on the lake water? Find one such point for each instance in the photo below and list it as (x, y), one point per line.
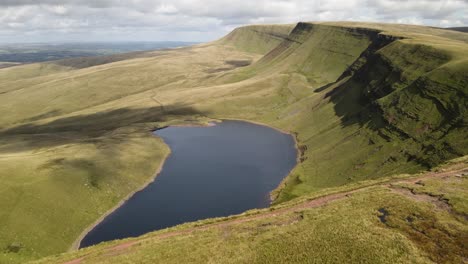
(212, 171)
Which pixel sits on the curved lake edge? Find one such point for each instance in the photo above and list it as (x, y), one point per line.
(76, 244)
(282, 184)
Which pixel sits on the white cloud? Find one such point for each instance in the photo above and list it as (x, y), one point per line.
(201, 20)
(166, 9)
(58, 9)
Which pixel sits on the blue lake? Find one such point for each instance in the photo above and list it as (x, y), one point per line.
(212, 171)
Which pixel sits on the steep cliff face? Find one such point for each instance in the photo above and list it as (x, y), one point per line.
(430, 107)
(319, 52)
(413, 95)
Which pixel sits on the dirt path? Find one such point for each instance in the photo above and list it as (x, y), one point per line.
(153, 97)
(320, 201)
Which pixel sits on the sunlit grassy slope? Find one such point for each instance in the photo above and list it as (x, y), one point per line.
(410, 219)
(364, 100)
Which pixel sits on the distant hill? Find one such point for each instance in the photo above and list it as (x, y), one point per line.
(461, 29)
(29, 53)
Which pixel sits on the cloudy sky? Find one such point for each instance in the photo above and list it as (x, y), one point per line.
(201, 20)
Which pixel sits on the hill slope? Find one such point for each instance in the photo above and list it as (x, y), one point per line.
(409, 219)
(461, 29)
(365, 101)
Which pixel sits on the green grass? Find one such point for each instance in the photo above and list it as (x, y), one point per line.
(57, 191)
(366, 101)
(346, 230)
(257, 39)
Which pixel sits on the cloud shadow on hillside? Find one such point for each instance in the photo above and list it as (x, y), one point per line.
(97, 124)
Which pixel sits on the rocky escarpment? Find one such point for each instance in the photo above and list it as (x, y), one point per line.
(409, 94)
(323, 53)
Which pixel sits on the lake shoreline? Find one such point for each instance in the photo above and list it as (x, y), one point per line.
(77, 242)
(276, 191)
(84, 233)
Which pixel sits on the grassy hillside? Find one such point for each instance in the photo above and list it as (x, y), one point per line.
(257, 39)
(411, 219)
(55, 185)
(461, 29)
(365, 101)
(382, 100)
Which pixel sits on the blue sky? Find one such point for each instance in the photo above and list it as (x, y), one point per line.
(197, 20)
